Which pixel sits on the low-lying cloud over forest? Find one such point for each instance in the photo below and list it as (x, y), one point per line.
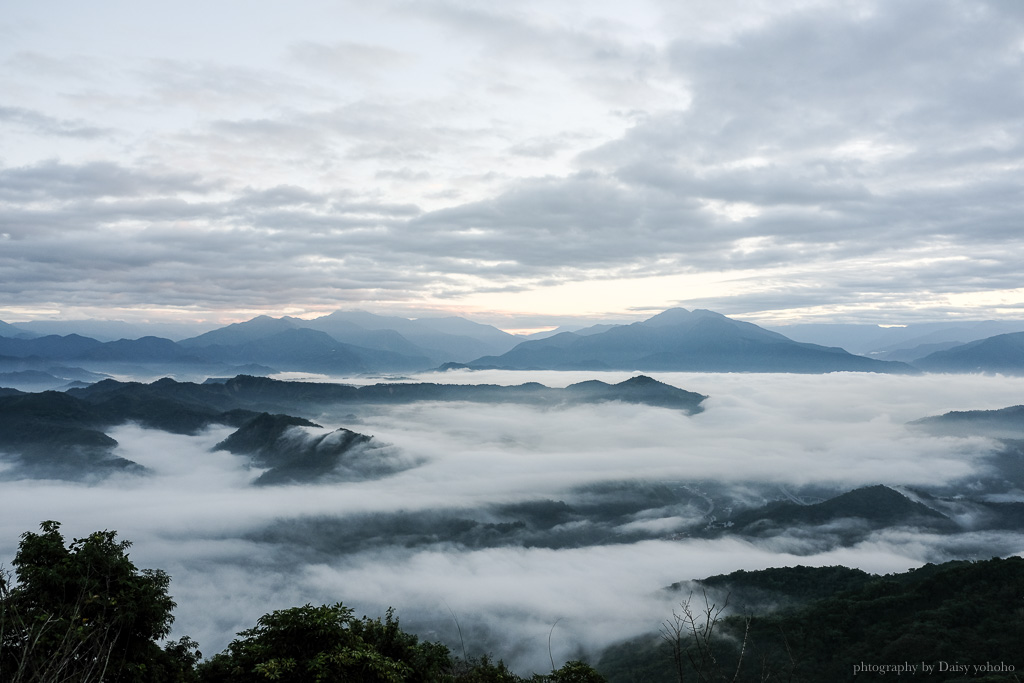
(509, 519)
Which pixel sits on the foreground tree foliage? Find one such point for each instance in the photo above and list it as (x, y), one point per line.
(326, 643)
(84, 612)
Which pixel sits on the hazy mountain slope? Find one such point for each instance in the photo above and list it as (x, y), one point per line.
(444, 339)
(143, 350)
(40, 374)
(293, 349)
(357, 335)
(74, 347)
(9, 330)
(356, 347)
(875, 506)
(682, 340)
(456, 325)
(1005, 423)
(290, 344)
(581, 331)
(877, 342)
(1001, 353)
(53, 435)
(112, 330)
(50, 347)
(914, 353)
(31, 380)
(237, 334)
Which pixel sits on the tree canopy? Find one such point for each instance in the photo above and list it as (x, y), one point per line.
(84, 612)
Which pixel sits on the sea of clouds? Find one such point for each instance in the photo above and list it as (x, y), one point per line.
(196, 516)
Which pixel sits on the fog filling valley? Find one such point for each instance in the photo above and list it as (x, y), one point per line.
(442, 539)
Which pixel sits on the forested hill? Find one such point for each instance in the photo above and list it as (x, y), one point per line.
(954, 622)
(264, 394)
(64, 434)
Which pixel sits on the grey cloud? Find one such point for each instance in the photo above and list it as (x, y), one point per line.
(541, 147)
(205, 84)
(818, 74)
(582, 221)
(44, 124)
(348, 59)
(403, 174)
(793, 69)
(589, 51)
(52, 179)
(77, 67)
(278, 133)
(814, 80)
(867, 153)
(762, 187)
(362, 130)
(281, 195)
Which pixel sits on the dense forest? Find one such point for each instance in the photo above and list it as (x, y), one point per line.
(82, 611)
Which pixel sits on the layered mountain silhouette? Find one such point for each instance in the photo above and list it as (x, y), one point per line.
(898, 342)
(1004, 423)
(682, 340)
(442, 340)
(298, 348)
(54, 434)
(265, 394)
(357, 342)
(1002, 353)
(871, 507)
(64, 434)
(344, 342)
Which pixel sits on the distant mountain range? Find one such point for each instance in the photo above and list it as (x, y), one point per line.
(357, 342)
(900, 342)
(344, 342)
(682, 340)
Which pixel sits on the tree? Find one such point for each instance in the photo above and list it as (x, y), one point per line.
(482, 670)
(84, 612)
(575, 672)
(326, 643)
(691, 635)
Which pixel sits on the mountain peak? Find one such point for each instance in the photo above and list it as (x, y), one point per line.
(681, 316)
(670, 316)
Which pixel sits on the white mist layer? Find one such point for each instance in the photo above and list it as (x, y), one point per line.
(192, 514)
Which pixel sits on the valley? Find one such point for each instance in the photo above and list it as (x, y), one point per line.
(578, 509)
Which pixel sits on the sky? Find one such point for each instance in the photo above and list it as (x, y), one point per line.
(522, 164)
(235, 551)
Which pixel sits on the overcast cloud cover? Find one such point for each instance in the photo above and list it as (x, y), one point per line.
(516, 162)
(235, 551)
